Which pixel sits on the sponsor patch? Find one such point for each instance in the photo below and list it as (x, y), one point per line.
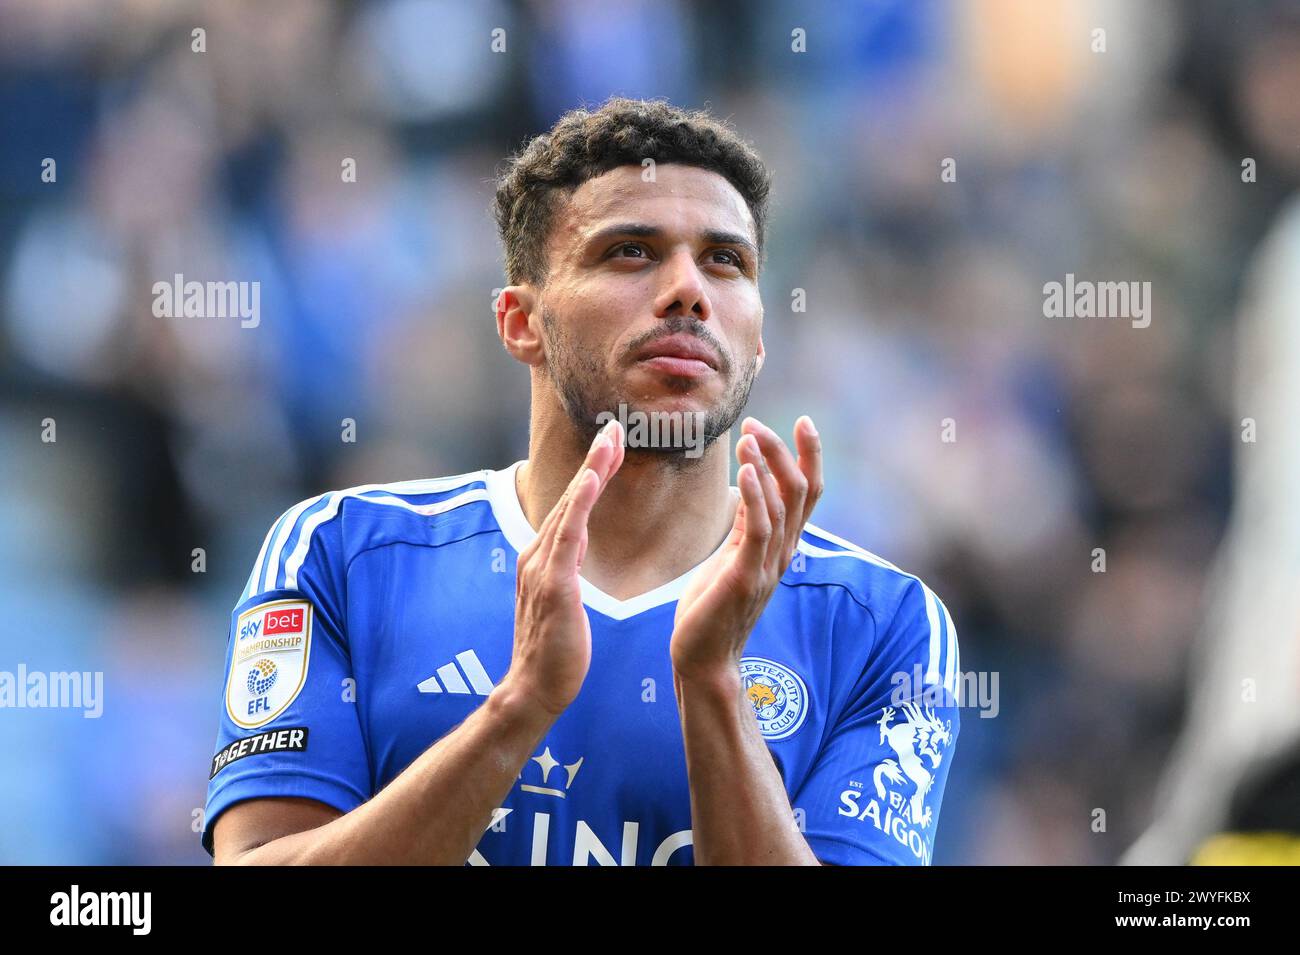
(902, 781)
(269, 664)
(778, 695)
(291, 738)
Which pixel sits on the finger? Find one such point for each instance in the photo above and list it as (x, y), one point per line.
(737, 532)
(758, 528)
(569, 538)
(617, 437)
(568, 533)
(738, 522)
(600, 456)
(541, 544)
(793, 484)
(809, 444)
(748, 450)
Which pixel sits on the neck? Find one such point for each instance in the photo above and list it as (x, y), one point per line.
(654, 520)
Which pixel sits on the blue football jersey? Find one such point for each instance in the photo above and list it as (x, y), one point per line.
(376, 619)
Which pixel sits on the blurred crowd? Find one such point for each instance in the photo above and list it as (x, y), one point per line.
(924, 303)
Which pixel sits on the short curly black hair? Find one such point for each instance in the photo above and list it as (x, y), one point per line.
(583, 145)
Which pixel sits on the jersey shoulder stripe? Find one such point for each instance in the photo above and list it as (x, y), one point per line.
(289, 541)
(943, 658)
(274, 541)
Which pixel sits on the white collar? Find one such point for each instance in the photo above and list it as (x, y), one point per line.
(504, 500)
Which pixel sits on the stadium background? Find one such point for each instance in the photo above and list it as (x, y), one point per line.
(924, 302)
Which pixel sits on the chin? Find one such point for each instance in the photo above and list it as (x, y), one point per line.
(684, 402)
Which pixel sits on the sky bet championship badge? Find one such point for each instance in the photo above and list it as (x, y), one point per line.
(269, 663)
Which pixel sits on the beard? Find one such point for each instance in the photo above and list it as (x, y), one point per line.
(586, 391)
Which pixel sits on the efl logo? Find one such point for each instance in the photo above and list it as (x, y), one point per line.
(283, 621)
(268, 671)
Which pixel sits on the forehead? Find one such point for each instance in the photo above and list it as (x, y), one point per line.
(680, 197)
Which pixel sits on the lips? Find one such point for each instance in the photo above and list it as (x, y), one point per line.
(679, 348)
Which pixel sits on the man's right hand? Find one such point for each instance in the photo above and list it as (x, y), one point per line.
(552, 648)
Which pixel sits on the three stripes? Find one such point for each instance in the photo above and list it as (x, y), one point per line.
(448, 678)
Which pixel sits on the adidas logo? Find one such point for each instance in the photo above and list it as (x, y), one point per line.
(448, 678)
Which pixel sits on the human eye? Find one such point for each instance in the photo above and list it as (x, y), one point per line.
(618, 251)
(727, 257)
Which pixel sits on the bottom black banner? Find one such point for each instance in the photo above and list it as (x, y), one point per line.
(906, 905)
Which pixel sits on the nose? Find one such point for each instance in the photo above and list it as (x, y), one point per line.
(682, 292)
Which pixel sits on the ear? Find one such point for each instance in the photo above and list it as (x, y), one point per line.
(759, 357)
(519, 334)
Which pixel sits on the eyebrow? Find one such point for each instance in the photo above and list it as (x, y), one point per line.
(644, 231)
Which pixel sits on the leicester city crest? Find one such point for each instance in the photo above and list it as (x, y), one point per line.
(778, 695)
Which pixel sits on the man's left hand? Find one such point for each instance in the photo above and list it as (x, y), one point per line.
(726, 597)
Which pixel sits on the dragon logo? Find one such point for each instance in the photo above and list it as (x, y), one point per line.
(921, 737)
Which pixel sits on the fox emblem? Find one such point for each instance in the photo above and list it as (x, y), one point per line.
(761, 695)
